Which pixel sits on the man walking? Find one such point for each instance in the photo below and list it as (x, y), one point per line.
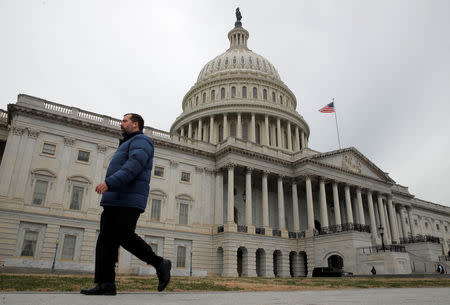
(125, 192)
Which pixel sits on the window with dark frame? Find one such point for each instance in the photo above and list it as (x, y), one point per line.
(49, 149)
(68, 249)
(185, 176)
(156, 210)
(29, 243)
(158, 171)
(77, 197)
(83, 156)
(181, 257)
(40, 191)
(183, 215)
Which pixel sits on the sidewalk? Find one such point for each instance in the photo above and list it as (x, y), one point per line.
(409, 296)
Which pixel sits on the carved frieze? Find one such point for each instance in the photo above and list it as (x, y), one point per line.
(101, 148)
(33, 133)
(351, 164)
(17, 131)
(174, 163)
(69, 141)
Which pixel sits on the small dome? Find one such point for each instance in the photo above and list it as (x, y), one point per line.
(238, 58)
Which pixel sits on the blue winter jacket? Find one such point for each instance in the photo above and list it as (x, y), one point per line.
(128, 174)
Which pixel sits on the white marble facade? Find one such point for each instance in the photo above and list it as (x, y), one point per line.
(235, 190)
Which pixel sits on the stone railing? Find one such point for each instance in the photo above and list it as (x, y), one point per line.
(377, 249)
(220, 229)
(292, 234)
(301, 234)
(420, 239)
(444, 258)
(260, 231)
(345, 227)
(242, 228)
(3, 114)
(276, 232)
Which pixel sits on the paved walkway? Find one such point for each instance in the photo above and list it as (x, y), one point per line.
(410, 296)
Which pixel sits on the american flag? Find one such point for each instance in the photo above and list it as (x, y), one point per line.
(327, 108)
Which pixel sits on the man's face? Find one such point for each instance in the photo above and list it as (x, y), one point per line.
(127, 125)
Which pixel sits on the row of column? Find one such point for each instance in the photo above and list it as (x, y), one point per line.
(384, 213)
(295, 143)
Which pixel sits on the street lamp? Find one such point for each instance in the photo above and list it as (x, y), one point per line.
(381, 231)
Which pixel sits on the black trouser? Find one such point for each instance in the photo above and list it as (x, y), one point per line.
(117, 226)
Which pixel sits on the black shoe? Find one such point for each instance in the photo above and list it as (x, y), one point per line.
(163, 273)
(100, 289)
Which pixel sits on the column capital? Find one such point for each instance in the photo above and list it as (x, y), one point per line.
(266, 173)
(18, 131)
(68, 141)
(323, 179)
(173, 163)
(101, 148)
(33, 133)
(231, 166)
(249, 169)
(199, 169)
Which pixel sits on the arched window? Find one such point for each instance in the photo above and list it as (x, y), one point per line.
(242, 60)
(250, 61)
(273, 97)
(255, 93)
(204, 98)
(220, 133)
(222, 93)
(213, 95)
(265, 94)
(233, 92)
(281, 99)
(244, 92)
(285, 138)
(196, 101)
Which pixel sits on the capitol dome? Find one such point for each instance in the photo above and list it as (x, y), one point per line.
(240, 94)
(238, 58)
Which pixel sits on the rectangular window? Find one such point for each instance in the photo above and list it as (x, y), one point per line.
(77, 197)
(29, 243)
(181, 257)
(83, 156)
(156, 209)
(40, 191)
(154, 247)
(183, 218)
(68, 249)
(49, 149)
(159, 171)
(185, 177)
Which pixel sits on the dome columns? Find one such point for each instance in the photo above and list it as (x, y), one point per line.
(263, 129)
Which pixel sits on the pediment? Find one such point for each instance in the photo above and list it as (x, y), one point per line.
(350, 159)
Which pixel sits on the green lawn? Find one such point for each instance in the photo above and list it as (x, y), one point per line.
(33, 282)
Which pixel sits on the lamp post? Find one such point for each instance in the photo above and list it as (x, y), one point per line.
(52, 270)
(381, 231)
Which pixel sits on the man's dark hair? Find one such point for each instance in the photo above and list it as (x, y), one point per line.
(134, 117)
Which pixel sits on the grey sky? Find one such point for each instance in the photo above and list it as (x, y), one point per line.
(387, 64)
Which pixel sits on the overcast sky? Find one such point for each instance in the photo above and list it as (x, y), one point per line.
(386, 63)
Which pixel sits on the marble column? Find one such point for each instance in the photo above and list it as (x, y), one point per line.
(248, 196)
(218, 207)
(230, 205)
(402, 217)
(281, 220)
(182, 131)
(190, 130)
(211, 129)
(265, 200)
(337, 208)
(289, 136)
(309, 204)
(382, 217)
(373, 224)
(266, 130)
(388, 222)
(297, 139)
(348, 204)
(200, 131)
(239, 126)
(295, 207)
(323, 203)
(399, 222)
(362, 219)
(411, 222)
(279, 142)
(252, 129)
(393, 221)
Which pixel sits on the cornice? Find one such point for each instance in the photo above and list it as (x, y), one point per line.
(61, 118)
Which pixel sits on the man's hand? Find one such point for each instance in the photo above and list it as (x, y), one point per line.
(101, 188)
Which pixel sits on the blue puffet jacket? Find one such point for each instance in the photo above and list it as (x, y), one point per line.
(128, 174)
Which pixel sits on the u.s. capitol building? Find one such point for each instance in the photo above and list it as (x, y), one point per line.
(235, 190)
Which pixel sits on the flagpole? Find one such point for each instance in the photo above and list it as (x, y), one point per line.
(337, 128)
